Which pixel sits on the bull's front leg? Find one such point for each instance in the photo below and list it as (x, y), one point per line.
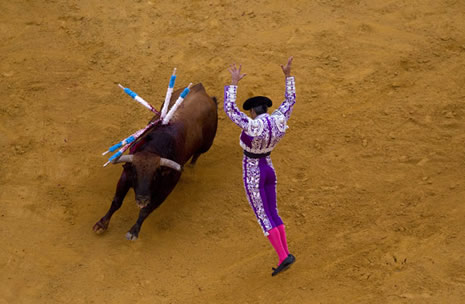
(122, 189)
(165, 188)
(133, 233)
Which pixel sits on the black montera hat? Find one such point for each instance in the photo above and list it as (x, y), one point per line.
(257, 101)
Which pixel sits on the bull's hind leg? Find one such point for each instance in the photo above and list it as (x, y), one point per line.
(202, 150)
(121, 190)
(194, 159)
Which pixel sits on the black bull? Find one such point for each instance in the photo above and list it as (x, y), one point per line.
(153, 168)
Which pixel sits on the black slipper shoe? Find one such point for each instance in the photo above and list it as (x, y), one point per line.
(284, 265)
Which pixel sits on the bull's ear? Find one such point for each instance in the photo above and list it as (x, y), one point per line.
(170, 164)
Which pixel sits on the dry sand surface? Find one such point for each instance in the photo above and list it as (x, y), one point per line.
(370, 175)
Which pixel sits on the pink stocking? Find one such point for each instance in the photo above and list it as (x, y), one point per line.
(282, 234)
(275, 240)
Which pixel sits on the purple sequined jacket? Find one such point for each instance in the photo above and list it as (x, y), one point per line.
(260, 135)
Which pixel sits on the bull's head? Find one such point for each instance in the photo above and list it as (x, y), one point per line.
(145, 167)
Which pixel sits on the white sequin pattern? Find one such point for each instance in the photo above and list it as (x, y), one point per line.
(258, 129)
(251, 176)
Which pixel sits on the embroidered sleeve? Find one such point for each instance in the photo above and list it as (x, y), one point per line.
(286, 107)
(250, 126)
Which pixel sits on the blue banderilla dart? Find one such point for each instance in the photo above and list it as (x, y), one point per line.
(124, 142)
(113, 157)
(169, 92)
(180, 99)
(126, 145)
(138, 99)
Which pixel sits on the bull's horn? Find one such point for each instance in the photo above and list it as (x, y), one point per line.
(124, 159)
(169, 163)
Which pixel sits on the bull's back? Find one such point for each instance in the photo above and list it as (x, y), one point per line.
(196, 106)
(198, 116)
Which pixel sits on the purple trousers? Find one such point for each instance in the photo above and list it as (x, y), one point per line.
(260, 187)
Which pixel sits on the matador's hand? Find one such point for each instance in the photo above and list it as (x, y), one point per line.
(235, 73)
(287, 69)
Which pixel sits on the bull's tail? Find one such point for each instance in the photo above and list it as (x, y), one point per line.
(215, 100)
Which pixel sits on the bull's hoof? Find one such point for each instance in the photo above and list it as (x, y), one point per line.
(130, 236)
(100, 227)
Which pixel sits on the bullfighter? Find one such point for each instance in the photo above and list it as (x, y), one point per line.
(260, 135)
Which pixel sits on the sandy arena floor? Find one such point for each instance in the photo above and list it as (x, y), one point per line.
(371, 172)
